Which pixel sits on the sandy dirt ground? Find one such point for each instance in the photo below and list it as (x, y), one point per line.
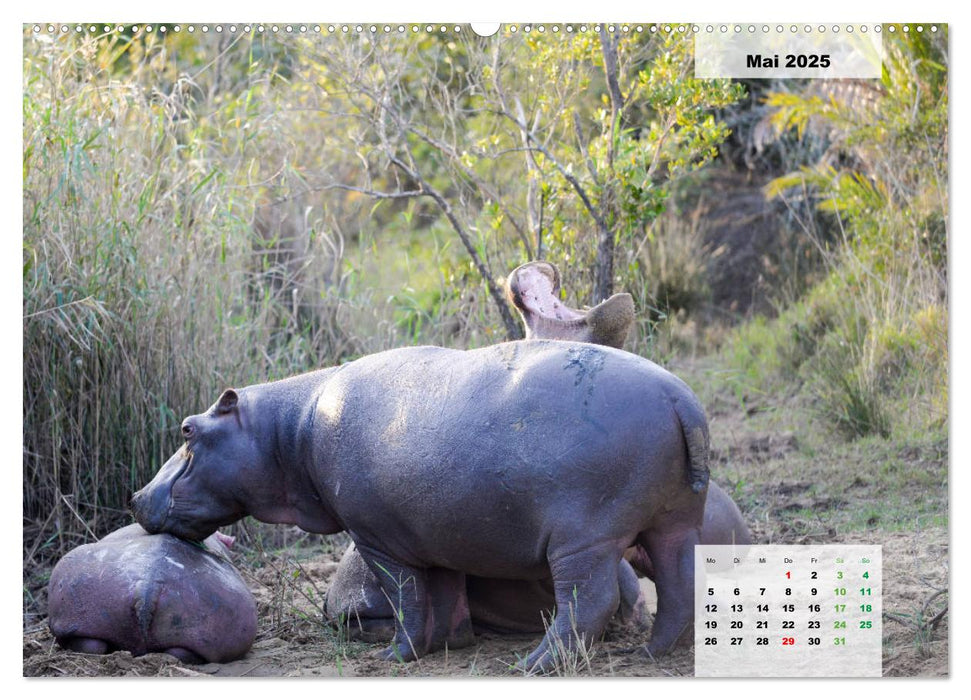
(292, 640)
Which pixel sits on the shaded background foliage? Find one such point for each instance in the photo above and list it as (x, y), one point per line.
(202, 211)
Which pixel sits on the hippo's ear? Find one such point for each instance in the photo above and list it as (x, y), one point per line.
(227, 402)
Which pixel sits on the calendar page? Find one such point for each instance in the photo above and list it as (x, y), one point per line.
(788, 611)
(599, 346)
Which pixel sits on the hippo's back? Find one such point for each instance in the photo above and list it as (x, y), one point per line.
(150, 593)
(522, 438)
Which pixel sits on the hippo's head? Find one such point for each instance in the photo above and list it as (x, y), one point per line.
(534, 290)
(199, 488)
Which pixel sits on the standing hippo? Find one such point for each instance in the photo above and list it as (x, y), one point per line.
(152, 593)
(520, 460)
(501, 605)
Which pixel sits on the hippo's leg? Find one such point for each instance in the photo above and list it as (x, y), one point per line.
(633, 604)
(85, 645)
(672, 553)
(587, 595)
(430, 605)
(451, 621)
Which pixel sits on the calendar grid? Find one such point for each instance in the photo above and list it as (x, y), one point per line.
(788, 611)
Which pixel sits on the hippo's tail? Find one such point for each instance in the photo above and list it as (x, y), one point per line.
(694, 427)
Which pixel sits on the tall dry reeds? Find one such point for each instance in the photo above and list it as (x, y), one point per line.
(145, 288)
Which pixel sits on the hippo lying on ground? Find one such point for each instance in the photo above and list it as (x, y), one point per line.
(152, 593)
(522, 460)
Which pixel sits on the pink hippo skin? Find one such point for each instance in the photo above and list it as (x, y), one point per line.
(152, 593)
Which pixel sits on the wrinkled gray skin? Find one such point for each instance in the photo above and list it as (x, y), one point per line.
(152, 593)
(515, 461)
(533, 288)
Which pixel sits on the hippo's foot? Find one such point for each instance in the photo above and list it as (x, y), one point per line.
(367, 629)
(184, 655)
(397, 652)
(85, 645)
(587, 594)
(673, 556)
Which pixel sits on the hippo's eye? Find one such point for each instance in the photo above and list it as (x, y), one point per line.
(188, 430)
